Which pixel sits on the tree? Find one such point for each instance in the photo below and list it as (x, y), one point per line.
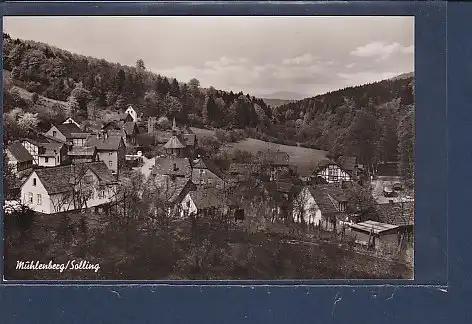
(171, 106)
(120, 104)
(9, 178)
(140, 65)
(28, 123)
(82, 96)
(406, 145)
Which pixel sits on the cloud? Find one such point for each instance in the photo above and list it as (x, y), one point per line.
(225, 61)
(305, 59)
(381, 50)
(350, 66)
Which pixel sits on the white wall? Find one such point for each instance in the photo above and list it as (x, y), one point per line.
(52, 161)
(132, 112)
(28, 187)
(306, 205)
(32, 149)
(187, 206)
(338, 174)
(59, 135)
(108, 157)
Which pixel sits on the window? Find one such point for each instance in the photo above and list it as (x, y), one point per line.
(30, 198)
(54, 133)
(34, 182)
(46, 159)
(101, 193)
(110, 154)
(38, 199)
(110, 164)
(58, 161)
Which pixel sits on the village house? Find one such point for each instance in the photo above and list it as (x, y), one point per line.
(39, 145)
(171, 191)
(69, 132)
(69, 187)
(331, 172)
(380, 236)
(206, 202)
(322, 206)
(206, 174)
(111, 149)
(277, 163)
(70, 120)
(19, 158)
(83, 154)
(127, 130)
(130, 111)
(52, 154)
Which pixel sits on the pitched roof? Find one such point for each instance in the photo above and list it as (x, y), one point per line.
(105, 143)
(19, 152)
(400, 214)
(129, 127)
(170, 189)
(82, 151)
(325, 197)
(51, 149)
(60, 179)
(323, 164)
(210, 197)
(71, 130)
(172, 166)
(209, 165)
(174, 143)
(51, 139)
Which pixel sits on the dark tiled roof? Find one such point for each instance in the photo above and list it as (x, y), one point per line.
(165, 166)
(326, 196)
(169, 189)
(211, 166)
(210, 197)
(51, 149)
(323, 164)
(82, 151)
(105, 143)
(400, 214)
(174, 143)
(60, 179)
(130, 128)
(51, 139)
(19, 152)
(71, 130)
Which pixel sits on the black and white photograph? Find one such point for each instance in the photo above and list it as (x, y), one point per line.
(208, 148)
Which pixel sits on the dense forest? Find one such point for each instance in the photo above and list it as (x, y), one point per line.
(373, 122)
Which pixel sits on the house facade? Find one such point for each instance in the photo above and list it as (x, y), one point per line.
(331, 172)
(321, 206)
(207, 175)
(130, 111)
(111, 150)
(70, 187)
(69, 132)
(83, 154)
(52, 154)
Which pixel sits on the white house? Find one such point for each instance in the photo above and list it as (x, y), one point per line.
(69, 132)
(331, 172)
(71, 121)
(130, 111)
(64, 188)
(320, 205)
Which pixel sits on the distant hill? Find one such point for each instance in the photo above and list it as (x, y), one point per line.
(276, 102)
(285, 95)
(403, 76)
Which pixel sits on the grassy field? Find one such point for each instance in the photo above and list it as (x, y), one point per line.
(301, 157)
(201, 132)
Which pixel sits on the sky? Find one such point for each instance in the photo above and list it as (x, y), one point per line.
(305, 56)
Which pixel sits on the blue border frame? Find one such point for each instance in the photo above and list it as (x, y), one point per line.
(394, 299)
